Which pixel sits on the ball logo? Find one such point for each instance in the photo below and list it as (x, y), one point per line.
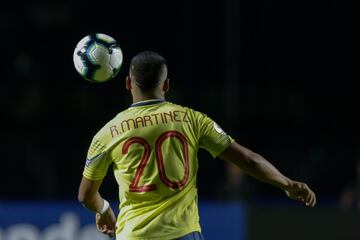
(218, 128)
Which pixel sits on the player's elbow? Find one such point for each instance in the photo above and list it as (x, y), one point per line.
(84, 197)
(88, 191)
(253, 157)
(81, 197)
(239, 155)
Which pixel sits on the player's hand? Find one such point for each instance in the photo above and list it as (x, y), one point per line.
(301, 192)
(105, 223)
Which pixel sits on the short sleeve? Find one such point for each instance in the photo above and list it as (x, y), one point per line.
(212, 137)
(97, 161)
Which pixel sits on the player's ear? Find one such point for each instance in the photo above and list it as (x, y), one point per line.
(166, 85)
(128, 83)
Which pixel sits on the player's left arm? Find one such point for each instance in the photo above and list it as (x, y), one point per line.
(220, 144)
(91, 199)
(260, 168)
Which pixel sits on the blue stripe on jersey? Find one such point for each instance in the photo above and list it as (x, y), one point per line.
(149, 102)
(89, 161)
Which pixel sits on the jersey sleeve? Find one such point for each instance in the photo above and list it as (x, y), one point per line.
(212, 137)
(97, 161)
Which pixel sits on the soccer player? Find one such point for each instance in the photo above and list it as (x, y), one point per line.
(152, 147)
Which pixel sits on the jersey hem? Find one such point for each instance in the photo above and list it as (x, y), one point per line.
(167, 237)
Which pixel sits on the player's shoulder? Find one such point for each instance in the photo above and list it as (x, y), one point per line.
(187, 109)
(196, 117)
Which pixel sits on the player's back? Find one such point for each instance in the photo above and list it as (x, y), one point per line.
(153, 146)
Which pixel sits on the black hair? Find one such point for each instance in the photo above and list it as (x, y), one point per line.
(147, 68)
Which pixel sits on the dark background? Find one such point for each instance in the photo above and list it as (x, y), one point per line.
(281, 78)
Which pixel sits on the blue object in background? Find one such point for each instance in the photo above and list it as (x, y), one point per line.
(42, 220)
(221, 220)
(70, 221)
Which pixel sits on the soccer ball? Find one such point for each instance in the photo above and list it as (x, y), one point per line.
(98, 57)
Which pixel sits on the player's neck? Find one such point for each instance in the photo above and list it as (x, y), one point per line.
(144, 97)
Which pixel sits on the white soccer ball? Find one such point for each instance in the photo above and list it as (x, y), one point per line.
(98, 57)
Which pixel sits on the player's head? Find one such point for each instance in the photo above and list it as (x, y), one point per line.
(148, 73)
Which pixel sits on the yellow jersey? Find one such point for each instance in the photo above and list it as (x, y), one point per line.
(152, 147)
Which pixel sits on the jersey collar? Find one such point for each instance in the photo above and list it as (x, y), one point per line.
(147, 102)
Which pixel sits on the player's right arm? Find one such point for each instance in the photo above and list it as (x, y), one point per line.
(91, 199)
(97, 164)
(261, 169)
